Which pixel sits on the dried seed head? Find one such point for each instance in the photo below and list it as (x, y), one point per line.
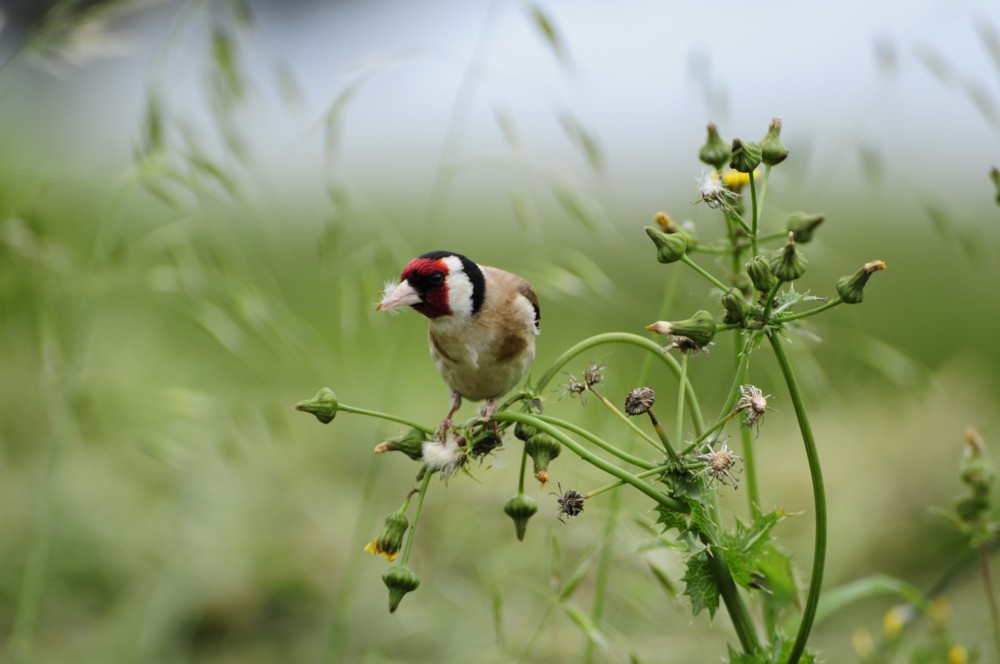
(639, 401)
(570, 504)
(720, 464)
(754, 403)
(593, 375)
(446, 457)
(574, 386)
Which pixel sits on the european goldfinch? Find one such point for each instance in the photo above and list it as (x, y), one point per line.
(482, 324)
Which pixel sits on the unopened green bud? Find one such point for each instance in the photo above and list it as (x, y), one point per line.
(745, 156)
(669, 247)
(668, 226)
(802, 225)
(399, 580)
(788, 263)
(759, 271)
(324, 405)
(976, 470)
(520, 508)
(714, 152)
(410, 443)
(524, 431)
(542, 448)
(737, 308)
(390, 540)
(772, 150)
(852, 288)
(700, 328)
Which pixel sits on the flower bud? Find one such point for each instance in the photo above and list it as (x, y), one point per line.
(324, 405)
(745, 156)
(852, 288)
(524, 431)
(714, 152)
(772, 150)
(520, 508)
(737, 308)
(668, 226)
(410, 443)
(741, 281)
(976, 470)
(669, 247)
(399, 580)
(700, 328)
(802, 225)
(788, 263)
(542, 448)
(759, 271)
(390, 540)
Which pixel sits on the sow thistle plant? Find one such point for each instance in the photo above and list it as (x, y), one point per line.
(680, 469)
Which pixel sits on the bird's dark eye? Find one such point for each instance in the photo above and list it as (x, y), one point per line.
(436, 278)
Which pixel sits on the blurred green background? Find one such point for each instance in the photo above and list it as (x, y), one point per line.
(200, 200)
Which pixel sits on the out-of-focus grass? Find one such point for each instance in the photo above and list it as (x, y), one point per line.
(163, 503)
(172, 507)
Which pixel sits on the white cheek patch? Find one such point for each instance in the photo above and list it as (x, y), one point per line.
(526, 311)
(459, 287)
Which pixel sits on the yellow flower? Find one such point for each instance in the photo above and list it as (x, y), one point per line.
(862, 642)
(894, 621)
(734, 180)
(957, 655)
(940, 609)
(390, 540)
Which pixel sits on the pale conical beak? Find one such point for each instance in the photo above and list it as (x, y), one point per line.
(403, 295)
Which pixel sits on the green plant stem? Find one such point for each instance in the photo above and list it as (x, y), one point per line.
(819, 500)
(344, 408)
(755, 216)
(628, 422)
(600, 442)
(769, 301)
(428, 473)
(680, 399)
(593, 459)
(524, 465)
(727, 587)
(603, 573)
(812, 312)
(749, 451)
(661, 433)
(984, 561)
(708, 432)
(737, 608)
(700, 270)
(629, 339)
(735, 216)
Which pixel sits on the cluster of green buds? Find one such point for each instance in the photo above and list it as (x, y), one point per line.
(976, 472)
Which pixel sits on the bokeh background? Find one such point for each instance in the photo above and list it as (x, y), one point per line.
(200, 200)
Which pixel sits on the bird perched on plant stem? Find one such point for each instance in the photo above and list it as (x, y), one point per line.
(482, 324)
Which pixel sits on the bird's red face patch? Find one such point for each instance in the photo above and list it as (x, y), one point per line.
(429, 277)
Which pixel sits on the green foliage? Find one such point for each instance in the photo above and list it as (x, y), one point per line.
(700, 585)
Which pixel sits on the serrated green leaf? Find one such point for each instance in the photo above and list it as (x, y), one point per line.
(777, 577)
(700, 586)
(746, 545)
(671, 519)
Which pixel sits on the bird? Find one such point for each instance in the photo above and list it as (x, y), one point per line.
(482, 324)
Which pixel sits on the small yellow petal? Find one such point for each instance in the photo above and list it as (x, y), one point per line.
(894, 620)
(957, 655)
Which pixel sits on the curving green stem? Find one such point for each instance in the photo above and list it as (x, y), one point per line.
(737, 609)
(680, 399)
(819, 500)
(428, 473)
(600, 442)
(593, 459)
(629, 339)
(811, 312)
(344, 408)
(700, 270)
